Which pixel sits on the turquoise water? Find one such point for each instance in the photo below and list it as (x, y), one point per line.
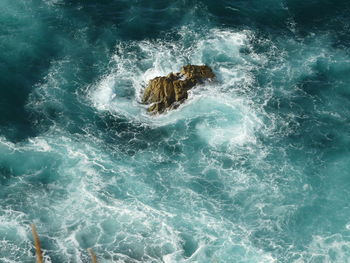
(252, 168)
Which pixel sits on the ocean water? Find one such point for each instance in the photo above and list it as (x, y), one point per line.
(252, 168)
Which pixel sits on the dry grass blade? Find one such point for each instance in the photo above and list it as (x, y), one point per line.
(93, 256)
(39, 255)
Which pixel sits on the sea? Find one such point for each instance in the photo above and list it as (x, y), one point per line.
(253, 167)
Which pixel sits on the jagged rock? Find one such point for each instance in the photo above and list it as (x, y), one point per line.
(199, 73)
(164, 93)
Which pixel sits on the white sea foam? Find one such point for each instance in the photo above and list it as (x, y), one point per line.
(333, 248)
(132, 229)
(138, 207)
(219, 49)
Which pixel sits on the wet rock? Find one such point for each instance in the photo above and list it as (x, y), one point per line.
(166, 93)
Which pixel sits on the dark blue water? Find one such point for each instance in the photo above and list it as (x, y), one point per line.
(252, 168)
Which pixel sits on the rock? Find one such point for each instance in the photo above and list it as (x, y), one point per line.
(199, 73)
(166, 93)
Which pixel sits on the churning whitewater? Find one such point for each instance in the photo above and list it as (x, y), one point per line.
(252, 167)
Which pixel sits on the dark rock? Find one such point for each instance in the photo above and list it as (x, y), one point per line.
(166, 93)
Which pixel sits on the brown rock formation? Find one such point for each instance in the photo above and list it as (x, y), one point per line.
(164, 93)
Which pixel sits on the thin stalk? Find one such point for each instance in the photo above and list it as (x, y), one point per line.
(93, 256)
(39, 254)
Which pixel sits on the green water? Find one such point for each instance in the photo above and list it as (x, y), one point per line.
(252, 168)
